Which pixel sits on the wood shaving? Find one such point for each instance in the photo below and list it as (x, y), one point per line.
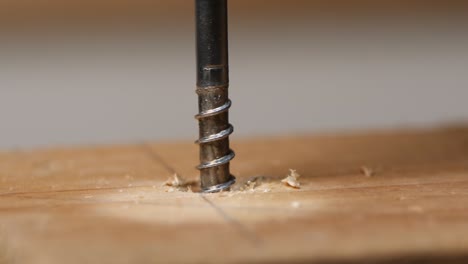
(251, 185)
(180, 184)
(368, 172)
(292, 179)
(175, 181)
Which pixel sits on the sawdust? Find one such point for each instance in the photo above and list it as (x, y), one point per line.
(366, 171)
(256, 184)
(292, 179)
(175, 181)
(180, 184)
(251, 185)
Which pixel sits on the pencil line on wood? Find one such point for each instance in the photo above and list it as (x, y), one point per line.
(75, 190)
(243, 230)
(154, 155)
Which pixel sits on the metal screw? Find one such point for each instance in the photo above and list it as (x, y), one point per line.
(212, 90)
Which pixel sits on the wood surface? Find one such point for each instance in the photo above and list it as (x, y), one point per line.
(108, 204)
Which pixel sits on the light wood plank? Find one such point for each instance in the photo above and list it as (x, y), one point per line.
(107, 204)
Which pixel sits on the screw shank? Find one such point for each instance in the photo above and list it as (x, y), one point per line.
(212, 43)
(212, 87)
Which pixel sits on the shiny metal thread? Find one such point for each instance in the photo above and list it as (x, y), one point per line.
(215, 153)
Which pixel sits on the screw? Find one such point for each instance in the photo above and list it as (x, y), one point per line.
(212, 90)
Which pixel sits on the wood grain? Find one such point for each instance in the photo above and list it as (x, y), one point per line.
(107, 204)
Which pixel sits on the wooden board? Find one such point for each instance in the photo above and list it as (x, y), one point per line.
(108, 204)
